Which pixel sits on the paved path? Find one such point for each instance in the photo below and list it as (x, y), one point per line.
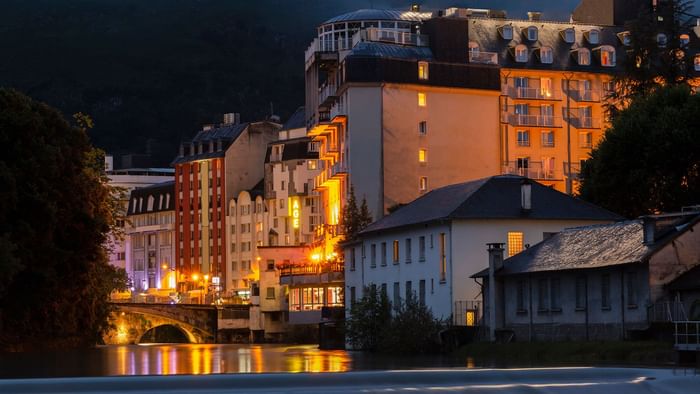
(539, 380)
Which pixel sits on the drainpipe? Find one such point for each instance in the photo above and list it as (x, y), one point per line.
(495, 251)
(569, 184)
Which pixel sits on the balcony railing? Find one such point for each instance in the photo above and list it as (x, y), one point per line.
(531, 93)
(585, 122)
(572, 170)
(583, 95)
(310, 269)
(530, 120)
(391, 36)
(666, 312)
(331, 172)
(531, 169)
(687, 335)
(482, 57)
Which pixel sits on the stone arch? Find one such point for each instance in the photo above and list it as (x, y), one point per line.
(129, 324)
(187, 335)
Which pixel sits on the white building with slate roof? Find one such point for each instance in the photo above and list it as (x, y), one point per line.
(431, 246)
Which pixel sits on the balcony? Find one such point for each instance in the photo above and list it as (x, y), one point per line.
(333, 172)
(481, 57)
(580, 122)
(324, 51)
(531, 93)
(311, 273)
(530, 120)
(390, 36)
(572, 170)
(530, 169)
(583, 95)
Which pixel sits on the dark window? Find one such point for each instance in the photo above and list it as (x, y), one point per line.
(421, 291)
(421, 248)
(631, 289)
(605, 291)
(555, 294)
(543, 295)
(520, 297)
(397, 294)
(581, 295)
(409, 289)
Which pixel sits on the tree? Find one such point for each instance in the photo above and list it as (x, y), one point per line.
(413, 329)
(364, 218)
(55, 212)
(649, 160)
(649, 63)
(355, 219)
(370, 317)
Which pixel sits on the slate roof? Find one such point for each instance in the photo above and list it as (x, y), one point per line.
(294, 149)
(296, 121)
(163, 189)
(497, 197)
(376, 14)
(384, 50)
(484, 31)
(226, 133)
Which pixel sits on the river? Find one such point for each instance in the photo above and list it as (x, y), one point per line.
(179, 359)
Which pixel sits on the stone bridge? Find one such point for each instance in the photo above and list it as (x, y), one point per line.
(130, 321)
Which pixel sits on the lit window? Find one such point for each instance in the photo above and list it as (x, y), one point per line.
(515, 242)
(625, 38)
(661, 40)
(523, 138)
(546, 87)
(696, 62)
(506, 32)
(607, 55)
(568, 35)
(684, 39)
(311, 164)
(423, 71)
(593, 36)
(423, 127)
(423, 183)
(422, 155)
(521, 53)
(583, 56)
(546, 55)
(532, 33)
(396, 252)
(421, 99)
(548, 138)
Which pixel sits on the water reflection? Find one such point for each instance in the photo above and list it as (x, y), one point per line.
(208, 359)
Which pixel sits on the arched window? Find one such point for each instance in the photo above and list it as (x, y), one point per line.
(684, 39)
(625, 38)
(593, 36)
(506, 31)
(606, 54)
(568, 35)
(532, 33)
(582, 56)
(473, 47)
(520, 53)
(546, 55)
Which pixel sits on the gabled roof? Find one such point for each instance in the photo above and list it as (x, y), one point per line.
(497, 197)
(376, 14)
(227, 134)
(294, 149)
(296, 121)
(163, 197)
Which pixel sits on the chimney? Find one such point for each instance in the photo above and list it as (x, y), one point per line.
(534, 16)
(526, 195)
(495, 263)
(415, 7)
(649, 230)
(192, 149)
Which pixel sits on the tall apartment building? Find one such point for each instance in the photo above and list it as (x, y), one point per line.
(151, 235)
(220, 162)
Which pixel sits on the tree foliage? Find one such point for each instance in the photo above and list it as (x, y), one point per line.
(55, 212)
(355, 218)
(410, 329)
(649, 160)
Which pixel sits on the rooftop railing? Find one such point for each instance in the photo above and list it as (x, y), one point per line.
(482, 57)
(391, 36)
(530, 169)
(534, 93)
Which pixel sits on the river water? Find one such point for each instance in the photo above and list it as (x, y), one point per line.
(176, 359)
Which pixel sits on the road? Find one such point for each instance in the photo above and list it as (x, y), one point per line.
(532, 380)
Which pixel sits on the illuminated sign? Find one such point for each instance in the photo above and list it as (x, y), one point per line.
(294, 211)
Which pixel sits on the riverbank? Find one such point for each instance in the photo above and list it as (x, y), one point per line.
(570, 353)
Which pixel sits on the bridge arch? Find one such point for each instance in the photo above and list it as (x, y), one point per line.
(166, 333)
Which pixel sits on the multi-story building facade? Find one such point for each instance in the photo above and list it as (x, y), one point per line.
(151, 235)
(220, 162)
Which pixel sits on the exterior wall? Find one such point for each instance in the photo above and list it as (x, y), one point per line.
(674, 259)
(246, 156)
(469, 239)
(246, 228)
(364, 273)
(462, 141)
(152, 240)
(540, 154)
(592, 321)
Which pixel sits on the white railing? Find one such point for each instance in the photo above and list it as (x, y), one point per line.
(393, 36)
(482, 57)
(533, 169)
(531, 93)
(531, 120)
(687, 335)
(666, 312)
(586, 95)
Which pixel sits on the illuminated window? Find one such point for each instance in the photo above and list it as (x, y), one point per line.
(423, 183)
(396, 252)
(423, 71)
(520, 53)
(547, 138)
(422, 155)
(568, 35)
(470, 318)
(423, 127)
(593, 36)
(422, 100)
(546, 55)
(523, 138)
(334, 296)
(684, 39)
(515, 242)
(506, 32)
(696, 62)
(583, 56)
(311, 164)
(532, 33)
(607, 55)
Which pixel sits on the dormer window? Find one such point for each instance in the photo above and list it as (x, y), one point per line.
(546, 55)
(684, 39)
(625, 38)
(696, 62)
(506, 32)
(423, 71)
(520, 53)
(473, 47)
(582, 56)
(568, 35)
(661, 40)
(593, 36)
(531, 33)
(606, 53)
